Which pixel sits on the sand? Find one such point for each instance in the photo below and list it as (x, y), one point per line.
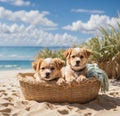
(12, 102)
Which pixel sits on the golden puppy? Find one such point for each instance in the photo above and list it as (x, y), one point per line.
(76, 64)
(48, 69)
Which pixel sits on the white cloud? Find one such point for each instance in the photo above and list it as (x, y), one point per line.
(87, 11)
(33, 17)
(17, 2)
(92, 25)
(20, 35)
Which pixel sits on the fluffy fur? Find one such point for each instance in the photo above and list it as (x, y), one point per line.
(76, 63)
(48, 69)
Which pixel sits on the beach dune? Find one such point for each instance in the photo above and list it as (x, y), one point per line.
(12, 102)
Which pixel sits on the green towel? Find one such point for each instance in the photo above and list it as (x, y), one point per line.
(94, 70)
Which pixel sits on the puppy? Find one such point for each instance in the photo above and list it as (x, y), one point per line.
(47, 69)
(76, 64)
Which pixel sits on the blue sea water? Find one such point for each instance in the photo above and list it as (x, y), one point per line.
(14, 58)
(15, 64)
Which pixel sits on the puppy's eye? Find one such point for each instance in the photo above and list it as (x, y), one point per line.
(73, 56)
(81, 56)
(52, 68)
(43, 68)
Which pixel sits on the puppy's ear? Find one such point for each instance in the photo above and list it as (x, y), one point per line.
(59, 63)
(36, 64)
(68, 52)
(87, 52)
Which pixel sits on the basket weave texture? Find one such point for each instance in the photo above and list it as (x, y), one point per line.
(50, 91)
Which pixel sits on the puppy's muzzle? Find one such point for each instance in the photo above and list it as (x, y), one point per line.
(47, 74)
(77, 62)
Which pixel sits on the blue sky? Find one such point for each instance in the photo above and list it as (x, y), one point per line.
(54, 22)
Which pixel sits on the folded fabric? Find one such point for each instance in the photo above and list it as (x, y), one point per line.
(95, 71)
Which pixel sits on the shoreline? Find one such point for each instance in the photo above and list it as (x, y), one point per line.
(16, 70)
(12, 101)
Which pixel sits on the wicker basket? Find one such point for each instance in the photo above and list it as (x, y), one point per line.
(81, 92)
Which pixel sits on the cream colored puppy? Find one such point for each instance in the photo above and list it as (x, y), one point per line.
(48, 69)
(76, 64)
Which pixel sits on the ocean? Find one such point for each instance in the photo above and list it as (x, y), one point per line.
(17, 58)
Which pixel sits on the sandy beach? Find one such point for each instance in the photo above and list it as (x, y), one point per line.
(12, 102)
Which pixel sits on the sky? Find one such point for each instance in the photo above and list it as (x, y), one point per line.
(54, 22)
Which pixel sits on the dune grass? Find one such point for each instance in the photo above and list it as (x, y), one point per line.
(45, 53)
(107, 47)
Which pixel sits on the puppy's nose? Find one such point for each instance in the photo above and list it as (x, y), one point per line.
(47, 74)
(77, 62)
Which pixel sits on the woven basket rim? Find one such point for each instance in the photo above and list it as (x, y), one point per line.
(52, 82)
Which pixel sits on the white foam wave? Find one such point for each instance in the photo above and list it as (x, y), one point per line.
(9, 67)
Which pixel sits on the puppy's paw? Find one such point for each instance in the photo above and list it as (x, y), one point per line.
(61, 81)
(81, 78)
